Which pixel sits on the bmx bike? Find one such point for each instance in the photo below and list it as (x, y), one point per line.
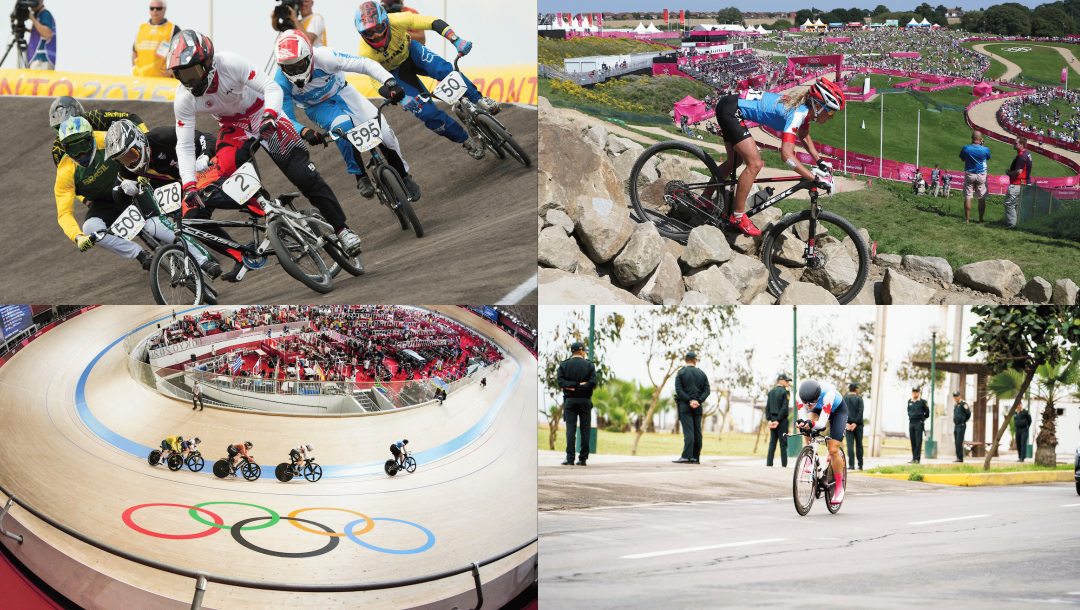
(248, 468)
(286, 471)
(175, 461)
(392, 466)
(812, 477)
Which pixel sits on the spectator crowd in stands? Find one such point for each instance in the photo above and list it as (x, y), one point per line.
(1017, 115)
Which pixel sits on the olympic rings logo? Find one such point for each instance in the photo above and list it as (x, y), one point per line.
(1017, 49)
(217, 524)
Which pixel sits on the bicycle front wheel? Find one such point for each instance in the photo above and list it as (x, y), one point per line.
(393, 182)
(804, 481)
(313, 472)
(410, 464)
(175, 278)
(669, 194)
(832, 266)
(299, 258)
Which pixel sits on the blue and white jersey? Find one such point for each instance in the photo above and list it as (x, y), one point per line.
(829, 400)
(327, 80)
(768, 109)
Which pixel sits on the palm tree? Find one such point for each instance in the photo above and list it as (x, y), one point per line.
(616, 402)
(1053, 380)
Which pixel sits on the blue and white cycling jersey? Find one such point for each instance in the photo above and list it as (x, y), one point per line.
(327, 80)
(829, 400)
(767, 109)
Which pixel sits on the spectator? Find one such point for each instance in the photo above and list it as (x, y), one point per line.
(196, 395)
(310, 24)
(1019, 174)
(577, 378)
(975, 156)
(776, 412)
(151, 47)
(854, 404)
(960, 417)
(691, 390)
(1023, 423)
(41, 52)
(935, 180)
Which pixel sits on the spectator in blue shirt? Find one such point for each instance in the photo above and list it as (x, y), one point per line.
(41, 52)
(975, 156)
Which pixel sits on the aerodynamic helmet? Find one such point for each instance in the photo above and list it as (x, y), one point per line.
(77, 140)
(249, 445)
(293, 53)
(62, 109)
(405, 442)
(373, 24)
(127, 145)
(809, 392)
(197, 440)
(309, 447)
(828, 94)
(191, 59)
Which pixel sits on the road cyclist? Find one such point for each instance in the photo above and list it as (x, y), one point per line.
(820, 404)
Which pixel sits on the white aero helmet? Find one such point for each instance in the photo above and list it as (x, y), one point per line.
(309, 447)
(293, 56)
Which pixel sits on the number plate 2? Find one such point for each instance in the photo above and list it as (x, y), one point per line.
(451, 88)
(243, 184)
(129, 224)
(366, 136)
(168, 197)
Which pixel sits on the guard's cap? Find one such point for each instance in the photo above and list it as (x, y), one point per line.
(577, 346)
(853, 386)
(956, 393)
(916, 389)
(783, 376)
(690, 355)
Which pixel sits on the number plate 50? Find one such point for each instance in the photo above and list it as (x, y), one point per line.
(129, 224)
(243, 184)
(451, 88)
(366, 136)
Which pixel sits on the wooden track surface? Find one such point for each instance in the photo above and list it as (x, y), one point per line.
(478, 501)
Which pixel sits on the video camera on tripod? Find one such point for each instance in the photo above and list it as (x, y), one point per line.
(282, 21)
(19, 17)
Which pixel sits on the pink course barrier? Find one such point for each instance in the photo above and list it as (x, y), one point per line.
(905, 55)
(841, 39)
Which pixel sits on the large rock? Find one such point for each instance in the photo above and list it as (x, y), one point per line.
(597, 134)
(788, 250)
(867, 295)
(802, 229)
(546, 113)
(617, 145)
(674, 168)
(640, 256)
(1000, 277)
(944, 297)
(1038, 291)
(801, 293)
(1064, 293)
(838, 274)
(585, 266)
(712, 282)
(551, 196)
(853, 251)
(899, 290)
(747, 274)
(559, 218)
(674, 248)
(557, 287)
(694, 298)
(664, 286)
(557, 249)
(604, 227)
(575, 169)
(931, 266)
(706, 245)
(893, 261)
(623, 164)
(763, 299)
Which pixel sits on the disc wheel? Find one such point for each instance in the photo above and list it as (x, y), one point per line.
(312, 472)
(250, 471)
(221, 469)
(175, 462)
(804, 481)
(675, 203)
(832, 267)
(410, 464)
(835, 508)
(195, 462)
(283, 472)
(154, 457)
(299, 258)
(175, 278)
(353, 265)
(393, 182)
(504, 140)
(390, 467)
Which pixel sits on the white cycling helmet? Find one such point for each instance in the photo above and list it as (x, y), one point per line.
(309, 447)
(293, 54)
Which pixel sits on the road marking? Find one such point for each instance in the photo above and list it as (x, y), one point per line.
(825, 539)
(522, 291)
(1070, 504)
(949, 519)
(700, 548)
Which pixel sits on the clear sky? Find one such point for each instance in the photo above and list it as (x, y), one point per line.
(618, 6)
(96, 37)
(769, 330)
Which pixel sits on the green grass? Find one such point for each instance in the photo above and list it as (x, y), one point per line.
(975, 467)
(553, 51)
(1040, 63)
(655, 94)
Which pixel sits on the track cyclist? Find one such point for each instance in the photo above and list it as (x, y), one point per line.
(246, 103)
(169, 445)
(314, 79)
(385, 38)
(791, 114)
(152, 156)
(398, 449)
(65, 107)
(824, 405)
(238, 451)
(299, 455)
(86, 171)
(186, 447)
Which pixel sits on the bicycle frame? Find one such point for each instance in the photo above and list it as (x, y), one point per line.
(376, 163)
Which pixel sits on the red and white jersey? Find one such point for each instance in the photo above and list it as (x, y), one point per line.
(238, 92)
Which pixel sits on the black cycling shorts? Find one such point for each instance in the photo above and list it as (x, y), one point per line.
(394, 449)
(730, 119)
(838, 422)
(294, 455)
(232, 451)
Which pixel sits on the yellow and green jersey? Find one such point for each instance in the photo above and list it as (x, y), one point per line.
(94, 182)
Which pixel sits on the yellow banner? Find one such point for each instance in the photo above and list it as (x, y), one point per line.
(513, 83)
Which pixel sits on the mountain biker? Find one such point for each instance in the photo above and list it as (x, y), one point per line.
(169, 445)
(152, 156)
(299, 455)
(314, 79)
(238, 451)
(385, 38)
(824, 405)
(246, 103)
(65, 107)
(791, 114)
(398, 449)
(87, 172)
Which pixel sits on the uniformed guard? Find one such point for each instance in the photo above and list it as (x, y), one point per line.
(854, 404)
(1023, 423)
(577, 378)
(960, 416)
(917, 413)
(776, 412)
(691, 390)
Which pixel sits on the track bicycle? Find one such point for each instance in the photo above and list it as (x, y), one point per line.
(247, 468)
(801, 245)
(813, 478)
(392, 466)
(175, 461)
(286, 471)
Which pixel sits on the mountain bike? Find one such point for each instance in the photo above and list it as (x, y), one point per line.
(812, 477)
(807, 243)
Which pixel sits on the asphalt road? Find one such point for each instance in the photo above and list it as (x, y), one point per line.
(479, 245)
(893, 544)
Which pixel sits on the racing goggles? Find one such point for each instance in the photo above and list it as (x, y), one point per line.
(296, 68)
(191, 76)
(376, 36)
(131, 158)
(80, 149)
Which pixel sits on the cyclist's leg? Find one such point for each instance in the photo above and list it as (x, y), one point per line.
(299, 169)
(156, 228)
(430, 63)
(331, 115)
(98, 219)
(748, 152)
(362, 110)
(837, 425)
(435, 119)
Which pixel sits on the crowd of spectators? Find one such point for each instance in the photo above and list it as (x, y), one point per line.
(724, 74)
(1032, 115)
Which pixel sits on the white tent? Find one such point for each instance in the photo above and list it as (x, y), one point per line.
(731, 27)
(761, 29)
(652, 28)
(924, 22)
(818, 22)
(640, 29)
(912, 22)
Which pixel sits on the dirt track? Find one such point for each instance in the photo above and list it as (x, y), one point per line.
(477, 217)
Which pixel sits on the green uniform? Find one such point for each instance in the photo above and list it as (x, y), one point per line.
(776, 409)
(691, 384)
(93, 183)
(1023, 423)
(854, 404)
(100, 120)
(960, 416)
(917, 413)
(577, 403)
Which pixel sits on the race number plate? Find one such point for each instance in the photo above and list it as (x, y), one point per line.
(366, 136)
(129, 224)
(242, 184)
(168, 197)
(451, 88)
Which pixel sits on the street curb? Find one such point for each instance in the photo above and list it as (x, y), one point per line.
(990, 478)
